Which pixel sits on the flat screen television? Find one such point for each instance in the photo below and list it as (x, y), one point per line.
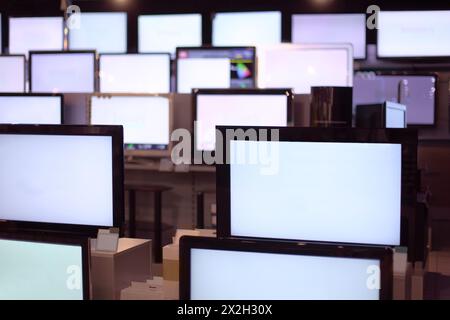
(135, 73)
(38, 266)
(246, 107)
(66, 178)
(236, 269)
(339, 185)
(31, 108)
(12, 77)
(413, 34)
(146, 119)
(62, 71)
(215, 68)
(35, 33)
(301, 67)
(331, 28)
(166, 32)
(105, 32)
(417, 91)
(246, 28)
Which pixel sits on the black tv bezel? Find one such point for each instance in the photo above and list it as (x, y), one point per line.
(405, 137)
(58, 239)
(203, 48)
(133, 54)
(30, 67)
(44, 95)
(116, 134)
(289, 93)
(383, 254)
(24, 59)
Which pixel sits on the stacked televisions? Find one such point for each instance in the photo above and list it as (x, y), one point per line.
(59, 185)
(239, 73)
(304, 199)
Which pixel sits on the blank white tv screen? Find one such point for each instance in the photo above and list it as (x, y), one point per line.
(203, 73)
(62, 179)
(35, 33)
(30, 109)
(12, 75)
(331, 28)
(62, 72)
(105, 32)
(298, 277)
(317, 191)
(135, 73)
(413, 34)
(166, 32)
(40, 271)
(236, 110)
(301, 67)
(146, 120)
(246, 28)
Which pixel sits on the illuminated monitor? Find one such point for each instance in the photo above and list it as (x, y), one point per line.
(105, 32)
(166, 32)
(135, 73)
(55, 177)
(418, 92)
(215, 68)
(12, 75)
(146, 120)
(413, 34)
(301, 67)
(42, 267)
(331, 28)
(31, 108)
(35, 33)
(62, 71)
(246, 28)
(233, 269)
(338, 185)
(237, 107)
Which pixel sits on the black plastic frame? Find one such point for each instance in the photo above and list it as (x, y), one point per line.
(33, 53)
(384, 255)
(406, 137)
(44, 95)
(116, 134)
(59, 239)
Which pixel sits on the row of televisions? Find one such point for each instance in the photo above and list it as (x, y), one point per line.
(148, 120)
(106, 32)
(323, 186)
(57, 267)
(75, 72)
(214, 67)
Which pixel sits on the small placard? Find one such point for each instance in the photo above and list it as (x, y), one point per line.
(107, 240)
